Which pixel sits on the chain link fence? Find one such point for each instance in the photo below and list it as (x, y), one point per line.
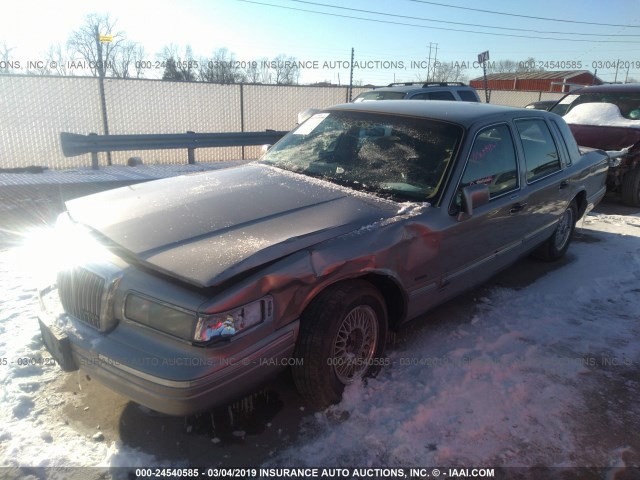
(516, 98)
(33, 112)
(35, 109)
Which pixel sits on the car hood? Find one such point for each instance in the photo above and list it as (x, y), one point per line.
(600, 125)
(206, 228)
(605, 138)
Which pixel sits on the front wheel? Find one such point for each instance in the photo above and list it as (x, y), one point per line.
(342, 338)
(556, 246)
(631, 187)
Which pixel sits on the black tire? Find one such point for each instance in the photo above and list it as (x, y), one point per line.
(631, 188)
(556, 246)
(346, 316)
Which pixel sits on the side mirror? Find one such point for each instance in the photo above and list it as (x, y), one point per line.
(474, 196)
(265, 148)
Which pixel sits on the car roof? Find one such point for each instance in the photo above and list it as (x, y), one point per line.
(421, 87)
(610, 88)
(465, 113)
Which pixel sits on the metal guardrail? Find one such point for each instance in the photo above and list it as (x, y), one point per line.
(74, 144)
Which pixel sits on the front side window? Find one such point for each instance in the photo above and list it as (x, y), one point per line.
(394, 156)
(540, 152)
(492, 161)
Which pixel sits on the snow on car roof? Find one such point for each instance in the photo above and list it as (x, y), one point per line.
(599, 114)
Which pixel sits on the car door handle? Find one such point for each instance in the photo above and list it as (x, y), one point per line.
(516, 207)
(564, 184)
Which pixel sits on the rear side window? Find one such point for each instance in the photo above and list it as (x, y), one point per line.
(379, 95)
(540, 151)
(467, 96)
(442, 95)
(492, 161)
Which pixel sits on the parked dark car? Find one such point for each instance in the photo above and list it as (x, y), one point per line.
(608, 117)
(452, 91)
(185, 293)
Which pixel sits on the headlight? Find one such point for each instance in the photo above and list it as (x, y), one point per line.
(74, 245)
(161, 316)
(226, 324)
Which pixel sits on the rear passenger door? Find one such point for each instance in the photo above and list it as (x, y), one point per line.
(549, 192)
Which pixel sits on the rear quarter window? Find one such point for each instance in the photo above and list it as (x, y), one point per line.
(467, 96)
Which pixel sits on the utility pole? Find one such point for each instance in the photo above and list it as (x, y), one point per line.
(435, 62)
(626, 77)
(351, 77)
(482, 59)
(429, 64)
(103, 101)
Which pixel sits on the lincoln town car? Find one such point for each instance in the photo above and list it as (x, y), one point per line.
(186, 293)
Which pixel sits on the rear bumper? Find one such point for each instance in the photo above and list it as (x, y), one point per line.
(166, 375)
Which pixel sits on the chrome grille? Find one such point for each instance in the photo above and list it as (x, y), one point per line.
(81, 292)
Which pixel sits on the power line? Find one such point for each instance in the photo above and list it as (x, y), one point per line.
(462, 23)
(434, 28)
(600, 24)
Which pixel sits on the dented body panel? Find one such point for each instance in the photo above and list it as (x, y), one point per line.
(209, 243)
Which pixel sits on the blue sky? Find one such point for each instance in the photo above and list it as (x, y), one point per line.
(265, 29)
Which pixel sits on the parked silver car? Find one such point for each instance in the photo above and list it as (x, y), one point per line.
(451, 91)
(185, 293)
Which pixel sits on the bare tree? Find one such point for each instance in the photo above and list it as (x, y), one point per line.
(126, 61)
(57, 60)
(182, 61)
(448, 72)
(517, 66)
(85, 43)
(502, 66)
(139, 57)
(221, 68)
(286, 71)
(257, 71)
(5, 57)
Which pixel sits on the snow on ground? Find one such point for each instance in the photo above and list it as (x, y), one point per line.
(29, 436)
(507, 385)
(511, 382)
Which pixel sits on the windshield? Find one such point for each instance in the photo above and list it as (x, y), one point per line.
(628, 103)
(404, 158)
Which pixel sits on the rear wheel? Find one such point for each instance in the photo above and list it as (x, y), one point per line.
(631, 187)
(556, 246)
(342, 338)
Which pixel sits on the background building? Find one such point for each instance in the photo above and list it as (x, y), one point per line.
(546, 81)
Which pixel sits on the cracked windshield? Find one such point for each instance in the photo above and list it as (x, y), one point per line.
(401, 158)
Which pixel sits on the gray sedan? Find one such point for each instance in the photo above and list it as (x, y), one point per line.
(186, 293)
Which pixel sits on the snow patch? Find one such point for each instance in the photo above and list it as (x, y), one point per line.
(599, 114)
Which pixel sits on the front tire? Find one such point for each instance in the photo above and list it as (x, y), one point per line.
(342, 338)
(631, 187)
(556, 246)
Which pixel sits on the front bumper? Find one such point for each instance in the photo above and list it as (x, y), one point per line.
(163, 373)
